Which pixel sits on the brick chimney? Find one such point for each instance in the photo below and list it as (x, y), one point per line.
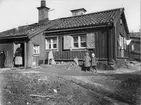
(77, 12)
(43, 11)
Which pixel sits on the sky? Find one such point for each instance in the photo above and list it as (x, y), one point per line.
(14, 13)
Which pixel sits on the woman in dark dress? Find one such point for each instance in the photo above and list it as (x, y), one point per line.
(18, 60)
(2, 59)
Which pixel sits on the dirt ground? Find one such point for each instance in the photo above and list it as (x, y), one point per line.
(68, 85)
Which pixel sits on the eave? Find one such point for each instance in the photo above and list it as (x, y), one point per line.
(14, 37)
(79, 28)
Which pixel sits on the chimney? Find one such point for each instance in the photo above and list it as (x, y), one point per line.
(43, 11)
(77, 12)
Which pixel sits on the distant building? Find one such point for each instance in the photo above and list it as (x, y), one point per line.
(101, 32)
(135, 46)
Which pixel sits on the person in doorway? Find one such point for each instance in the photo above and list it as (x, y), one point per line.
(18, 60)
(3, 59)
(87, 62)
(94, 63)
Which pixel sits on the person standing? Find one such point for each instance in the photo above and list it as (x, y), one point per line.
(94, 63)
(87, 62)
(18, 60)
(3, 59)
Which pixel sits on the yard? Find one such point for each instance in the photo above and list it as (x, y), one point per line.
(67, 85)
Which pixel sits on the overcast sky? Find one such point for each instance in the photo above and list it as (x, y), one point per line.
(14, 13)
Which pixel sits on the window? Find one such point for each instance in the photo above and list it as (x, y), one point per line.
(75, 42)
(36, 49)
(121, 21)
(51, 43)
(79, 41)
(133, 47)
(122, 42)
(83, 41)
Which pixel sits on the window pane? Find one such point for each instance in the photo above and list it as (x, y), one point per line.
(49, 46)
(83, 44)
(36, 49)
(82, 41)
(75, 44)
(54, 45)
(83, 38)
(51, 42)
(54, 39)
(48, 40)
(75, 39)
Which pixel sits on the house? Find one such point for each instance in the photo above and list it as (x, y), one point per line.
(103, 33)
(135, 46)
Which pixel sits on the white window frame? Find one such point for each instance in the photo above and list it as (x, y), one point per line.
(36, 49)
(123, 44)
(47, 47)
(79, 42)
(132, 47)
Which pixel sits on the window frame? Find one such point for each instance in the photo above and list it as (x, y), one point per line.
(79, 42)
(123, 42)
(51, 43)
(38, 50)
(133, 47)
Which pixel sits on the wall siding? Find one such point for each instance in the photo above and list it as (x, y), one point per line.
(120, 29)
(39, 40)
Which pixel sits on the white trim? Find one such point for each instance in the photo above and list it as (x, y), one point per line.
(79, 43)
(37, 49)
(132, 47)
(51, 43)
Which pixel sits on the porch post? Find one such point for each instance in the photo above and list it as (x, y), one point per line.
(25, 54)
(110, 47)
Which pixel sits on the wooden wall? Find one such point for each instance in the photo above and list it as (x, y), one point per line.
(120, 29)
(39, 40)
(111, 45)
(100, 44)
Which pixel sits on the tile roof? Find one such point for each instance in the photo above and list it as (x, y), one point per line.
(86, 20)
(91, 19)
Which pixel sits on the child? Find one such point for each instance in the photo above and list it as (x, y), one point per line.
(87, 62)
(94, 62)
